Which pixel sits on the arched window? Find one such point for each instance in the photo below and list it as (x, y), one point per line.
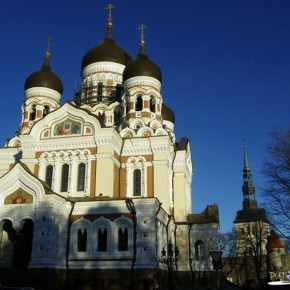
(137, 182)
(46, 110)
(199, 250)
(32, 113)
(48, 175)
(102, 240)
(64, 178)
(82, 240)
(123, 239)
(81, 177)
(139, 104)
(152, 104)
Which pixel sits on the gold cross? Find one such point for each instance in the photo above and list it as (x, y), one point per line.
(110, 7)
(142, 27)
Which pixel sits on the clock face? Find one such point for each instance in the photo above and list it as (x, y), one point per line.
(19, 197)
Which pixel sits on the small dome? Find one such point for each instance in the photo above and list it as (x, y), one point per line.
(44, 78)
(142, 66)
(167, 114)
(107, 50)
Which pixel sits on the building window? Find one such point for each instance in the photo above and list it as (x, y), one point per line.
(152, 105)
(139, 104)
(81, 177)
(137, 182)
(123, 239)
(48, 175)
(64, 178)
(82, 240)
(199, 251)
(102, 240)
(46, 110)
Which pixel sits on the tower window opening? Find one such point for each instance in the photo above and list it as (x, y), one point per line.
(102, 240)
(117, 116)
(64, 178)
(33, 113)
(46, 110)
(48, 175)
(152, 105)
(100, 91)
(137, 182)
(81, 177)
(139, 104)
(119, 92)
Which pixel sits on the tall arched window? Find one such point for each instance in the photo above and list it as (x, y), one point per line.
(64, 178)
(48, 175)
(123, 239)
(81, 177)
(152, 105)
(139, 104)
(102, 240)
(199, 250)
(82, 240)
(137, 182)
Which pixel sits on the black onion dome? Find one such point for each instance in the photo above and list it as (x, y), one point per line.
(167, 114)
(142, 66)
(107, 50)
(44, 77)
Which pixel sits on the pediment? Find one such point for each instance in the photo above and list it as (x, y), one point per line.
(19, 186)
(67, 121)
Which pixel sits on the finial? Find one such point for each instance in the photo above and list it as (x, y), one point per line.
(49, 41)
(47, 53)
(110, 18)
(142, 37)
(246, 163)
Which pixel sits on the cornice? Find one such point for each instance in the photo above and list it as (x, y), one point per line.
(42, 92)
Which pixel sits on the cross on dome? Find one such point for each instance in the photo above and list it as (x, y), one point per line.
(110, 18)
(142, 37)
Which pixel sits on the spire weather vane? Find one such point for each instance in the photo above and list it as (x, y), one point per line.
(110, 7)
(142, 37)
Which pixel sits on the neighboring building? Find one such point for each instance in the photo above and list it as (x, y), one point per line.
(93, 190)
(252, 229)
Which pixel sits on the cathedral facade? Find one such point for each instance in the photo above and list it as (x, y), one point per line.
(95, 193)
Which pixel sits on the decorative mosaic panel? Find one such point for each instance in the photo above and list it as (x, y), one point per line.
(67, 127)
(19, 197)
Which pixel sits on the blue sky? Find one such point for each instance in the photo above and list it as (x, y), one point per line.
(225, 64)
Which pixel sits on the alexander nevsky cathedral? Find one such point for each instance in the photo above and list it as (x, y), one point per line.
(95, 193)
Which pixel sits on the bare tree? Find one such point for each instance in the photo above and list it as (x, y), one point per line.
(252, 241)
(228, 245)
(276, 190)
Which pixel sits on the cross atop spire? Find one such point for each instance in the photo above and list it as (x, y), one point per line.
(142, 37)
(110, 18)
